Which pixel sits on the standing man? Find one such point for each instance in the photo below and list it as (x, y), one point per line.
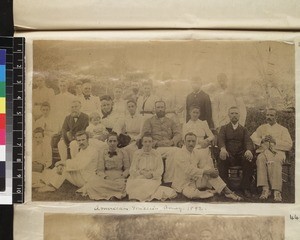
(273, 140)
(194, 172)
(146, 102)
(76, 121)
(201, 99)
(119, 104)
(236, 150)
(61, 102)
(89, 103)
(40, 94)
(224, 99)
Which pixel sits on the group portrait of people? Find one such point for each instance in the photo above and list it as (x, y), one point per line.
(145, 143)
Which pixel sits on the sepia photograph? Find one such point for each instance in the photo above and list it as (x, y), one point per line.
(174, 121)
(169, 227)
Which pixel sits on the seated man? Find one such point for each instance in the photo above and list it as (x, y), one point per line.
(77, 171)
(76, 121)
(193, 172)
(165, 134)
(273, 140)
(236, 150)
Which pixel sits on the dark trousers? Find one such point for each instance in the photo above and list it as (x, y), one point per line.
(237, 160)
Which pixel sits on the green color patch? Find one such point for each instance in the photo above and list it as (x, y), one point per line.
(2, 89)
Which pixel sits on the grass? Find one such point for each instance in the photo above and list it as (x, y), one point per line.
(67, 192)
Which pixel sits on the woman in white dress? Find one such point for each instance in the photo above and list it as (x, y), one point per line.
(200, 129)
(112, 171)
(144, 183)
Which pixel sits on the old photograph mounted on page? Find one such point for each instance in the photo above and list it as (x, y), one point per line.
(179, 121)
(189, 227)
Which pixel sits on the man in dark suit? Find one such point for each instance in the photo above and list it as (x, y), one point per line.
(236, 149)
(76, 121)
(202, 100)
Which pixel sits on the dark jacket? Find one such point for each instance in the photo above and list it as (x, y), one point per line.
(73, 127)
(202, 100)
(235, 141)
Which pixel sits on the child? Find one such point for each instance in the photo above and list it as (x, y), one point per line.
(41, 154)
(96, 129)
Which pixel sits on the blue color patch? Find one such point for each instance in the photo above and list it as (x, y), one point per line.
(2, 56)
(2, 73)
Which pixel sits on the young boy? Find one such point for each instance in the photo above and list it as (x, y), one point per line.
(96, 129)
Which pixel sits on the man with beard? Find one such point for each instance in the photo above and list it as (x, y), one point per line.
(77, 171)
(76, 121)
(273, 140)
(166, 135)
(236, 149)
(108, 116)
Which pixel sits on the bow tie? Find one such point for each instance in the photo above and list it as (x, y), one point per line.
(87, 97)
(111, 154)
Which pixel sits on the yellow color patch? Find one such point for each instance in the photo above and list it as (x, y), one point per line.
(2, 105)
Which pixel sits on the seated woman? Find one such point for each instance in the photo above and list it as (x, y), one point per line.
(112, 171)
(144, 183)
(200, 129)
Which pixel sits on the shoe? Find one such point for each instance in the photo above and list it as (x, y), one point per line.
(247, 193)
(233, 196)
(46, 188)
(266, 193)
(205, 194)
(277, 196)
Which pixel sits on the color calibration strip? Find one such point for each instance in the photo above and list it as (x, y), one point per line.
(13, 106)
(2, 118)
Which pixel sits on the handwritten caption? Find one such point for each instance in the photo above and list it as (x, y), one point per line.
(141, 209)
(294, 217)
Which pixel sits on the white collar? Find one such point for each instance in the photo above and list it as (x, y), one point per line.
(187, 151)
(235, 126)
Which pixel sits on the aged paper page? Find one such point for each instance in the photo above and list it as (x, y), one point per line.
(170, 14)
(108, 58)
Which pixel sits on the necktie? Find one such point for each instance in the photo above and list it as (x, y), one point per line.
(111, 154)
(87, 97)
